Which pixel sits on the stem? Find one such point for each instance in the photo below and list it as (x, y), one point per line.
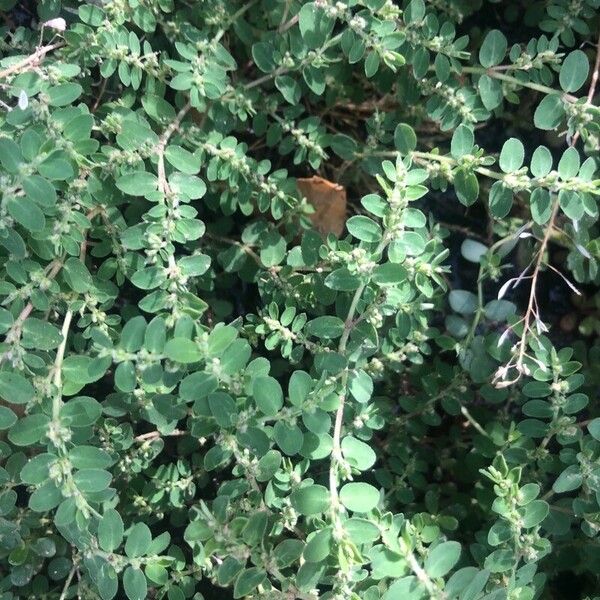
(30, 61)
(236, 15)
(163, 185)
(422, 576)
(336, 451)
(60, 355)
(528, 84)
(68, 583)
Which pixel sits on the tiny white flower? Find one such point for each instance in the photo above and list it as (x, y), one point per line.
(23, 100)
(59, 24)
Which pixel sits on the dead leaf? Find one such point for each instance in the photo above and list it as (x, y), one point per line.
(329, 201)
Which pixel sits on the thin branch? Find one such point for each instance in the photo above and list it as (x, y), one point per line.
(163, 185)
(593, 84)
(31, 61)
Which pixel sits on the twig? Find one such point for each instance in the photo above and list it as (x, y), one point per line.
(154, 435)
(60, 355)
(68, 583)
(163, 185)
(593, 84)
(31, 61)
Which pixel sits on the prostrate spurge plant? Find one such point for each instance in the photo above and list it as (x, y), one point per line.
(199, 390)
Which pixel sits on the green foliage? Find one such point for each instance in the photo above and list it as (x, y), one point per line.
(200, 390)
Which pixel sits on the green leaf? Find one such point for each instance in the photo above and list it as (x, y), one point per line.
(110, 530)
(325, 327)
(360, 385)
(490, 91)
(594, 428)
(342, 280)
(291, 91)
(319, 546)
(140, 183)
(247, 581)
(40, 335)
(359, 497)
(7, 418)
(14, 388)
(463, 302)
(64, 94)
(570, 479)
(512, 155)
(77, 275)
(268, 395)
(364, 228)
(310, 499)
(462, 141)
(442, 559)
(92, 480)
(36, 469)
(315, 25)
(29, 430)
(26, 212)
(134, 583)
(535, 513)
(550, 113)
(80, 412)
(466, 186)
(182, 350)
(473, 251)
(182, 159)
(493, 49)
(574, 71)
(138, 540)
(541, 162)
(405, 138)
(288, 437)
(389, 274)
(360, 455)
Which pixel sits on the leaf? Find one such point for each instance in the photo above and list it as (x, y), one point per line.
(364, 228)
(512, 155)
(27, 213)
(92, 480)
(466, 186)
(541, 162)
(182, 159)
(493, 49)
(247, 581)
(405, 138)
(359, 497)
(77, 275)
(29, 430)
(325, 327)
(110, 530)
(490, 91)
(315, 25)
(40, 335)
(329, 202)
(574, 71)
(268, 395)
(134, 583)
(463, 302)
(473, 251)
(182, 350)
(550, 113)
(140, 183)
(594, 428)
(570, 479)
(357, 453)
(310, 499)
(462, 141)
(342, 280)
(14, 388)
(138, 540)
(290, 89)
(442, 559)
(64, 94)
